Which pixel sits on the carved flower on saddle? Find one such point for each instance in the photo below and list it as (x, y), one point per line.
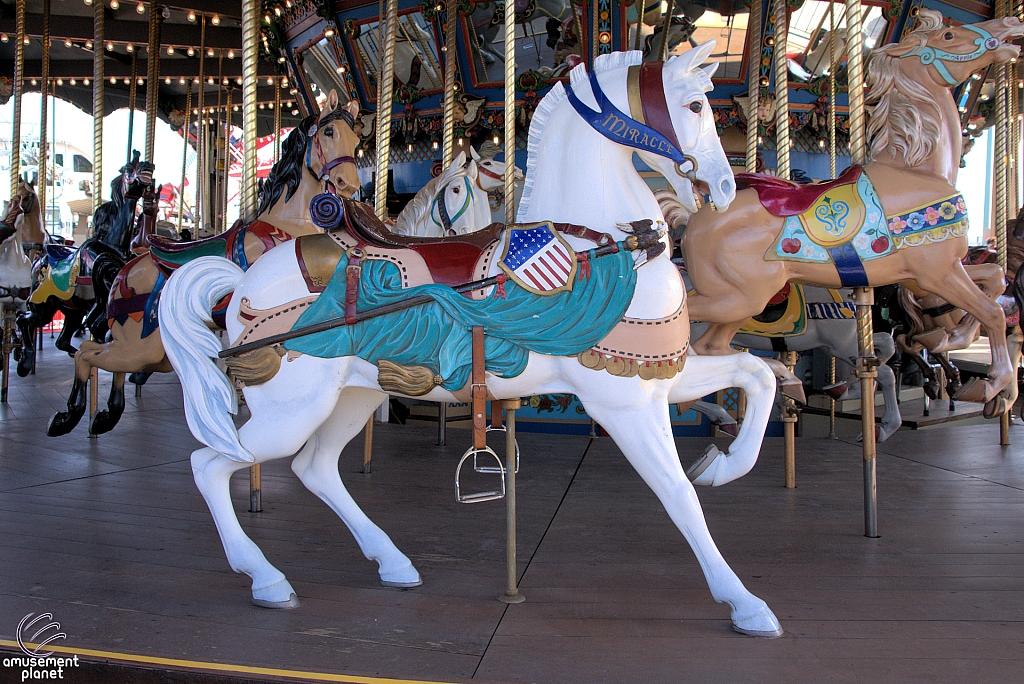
(947, 210)
(961, 206)
(931, 215)
(915, 221)
(897, 224)
(862, 242)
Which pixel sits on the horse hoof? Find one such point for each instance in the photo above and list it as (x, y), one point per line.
(731, 429)
(405, 577)
(762, 623)
(61, 424)
(24, 367)
(996, 407)
(401, 585)
(103, 422)
(704, 469)
(975, 389)
(292, 602)
(835, 391)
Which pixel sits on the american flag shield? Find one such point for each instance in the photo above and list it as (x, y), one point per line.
(538, 259)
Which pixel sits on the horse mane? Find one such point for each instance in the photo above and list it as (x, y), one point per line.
(904, 115)
(418, 207)
(286, 174)
(555, 97)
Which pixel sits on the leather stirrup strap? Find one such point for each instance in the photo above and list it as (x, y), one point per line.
(479, 390)
(355, 257)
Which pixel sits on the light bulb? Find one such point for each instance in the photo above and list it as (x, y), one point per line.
(67, 42)
(86, 81)
(127, 81)
(238, 81)
(270, 105)
(113, 81)
(140, 8)
(191, 52)
(270, 81)
(167, 80)
(209, 52)
(215, 20)
(434, 144)
(60, 81)
(409, 148)
(88, 45)
(191, 16)
(280, 60)
(277, 11)
(262, 106)
(329, 33)
(33, 81)
(181, 81)
(210, 80)
(295, 112)
(139, 80)
(170, 49)
(73, 82)
(110, 46)
(114, 4)
(26, 40)
(3, 38)
(129, 47)
(231, 54)
(359, 154)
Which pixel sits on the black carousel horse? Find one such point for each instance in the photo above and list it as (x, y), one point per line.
(76, 282)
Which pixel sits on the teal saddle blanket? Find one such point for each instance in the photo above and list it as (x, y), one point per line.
(438, 335)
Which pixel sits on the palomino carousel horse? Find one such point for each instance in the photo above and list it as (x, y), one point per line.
(76, 281)
(898, 218)
(569, 309)
(454, 203)
(317, 153)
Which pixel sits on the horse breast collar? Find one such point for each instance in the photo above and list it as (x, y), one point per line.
(653, 132)
(929, 55)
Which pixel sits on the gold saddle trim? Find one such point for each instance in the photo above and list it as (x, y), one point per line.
(653, 348)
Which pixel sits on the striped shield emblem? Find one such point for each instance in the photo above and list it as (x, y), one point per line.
(538, 259)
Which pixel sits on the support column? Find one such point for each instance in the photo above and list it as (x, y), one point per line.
(97, 106)
(385, 92)
(753, 80)
(152, 77)
(510, 109)
(450, 60)
(17, 92)
(790, 414)
(781, 12)
(511, 594)
(184, 160)
(202, 176)
(44, 113)
(1004, 167)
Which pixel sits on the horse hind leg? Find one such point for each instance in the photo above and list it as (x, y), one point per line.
(317, 468)
(644, 434)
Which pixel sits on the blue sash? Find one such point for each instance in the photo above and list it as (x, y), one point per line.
(621, 128)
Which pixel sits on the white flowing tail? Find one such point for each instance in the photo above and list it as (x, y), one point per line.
(185, 305)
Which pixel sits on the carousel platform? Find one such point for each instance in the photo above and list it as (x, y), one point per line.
(111, 536)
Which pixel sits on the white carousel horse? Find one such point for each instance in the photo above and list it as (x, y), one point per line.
(15, 266)
(454, 203)
(574, 173)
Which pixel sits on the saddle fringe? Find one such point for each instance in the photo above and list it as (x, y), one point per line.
(256, 367)
(411, 381)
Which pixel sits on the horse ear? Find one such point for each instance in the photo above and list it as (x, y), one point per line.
(460, 160)
(681, 65)
(332, 100)
(352, 107)
(710, 69)
(476, 155)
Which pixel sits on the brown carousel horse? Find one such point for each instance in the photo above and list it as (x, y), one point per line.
(318, 153)
(900, 218)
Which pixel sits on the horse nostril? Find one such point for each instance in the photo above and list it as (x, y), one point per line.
(728, 186)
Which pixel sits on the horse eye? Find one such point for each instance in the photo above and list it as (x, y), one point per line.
(329, 131)
(455, 190)
(948, 35)
(696, 107)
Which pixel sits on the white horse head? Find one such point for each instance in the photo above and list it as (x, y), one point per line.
(490, 173)
(451, 204)
(686, 88)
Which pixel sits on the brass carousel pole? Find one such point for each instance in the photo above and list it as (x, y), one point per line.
(18, 92)
(753, 82)
(218, 129)
(247, 212)
(781, 15)
(277, 121)
(832, 172)
(184, 155)
(152, 77)
(202, 177)
(97, 106)
(450, 59)
(44, 112)
(864, 296)
(511, 594)
(1003, 160)
(225, 191)
(132, 97)
(385, 90)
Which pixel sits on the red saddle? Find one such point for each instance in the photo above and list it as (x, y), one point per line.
(450, 259)
(786, 198)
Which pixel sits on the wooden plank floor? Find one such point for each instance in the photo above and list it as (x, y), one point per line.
(112, 537)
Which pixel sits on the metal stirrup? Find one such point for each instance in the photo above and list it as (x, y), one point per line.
(479, 497)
